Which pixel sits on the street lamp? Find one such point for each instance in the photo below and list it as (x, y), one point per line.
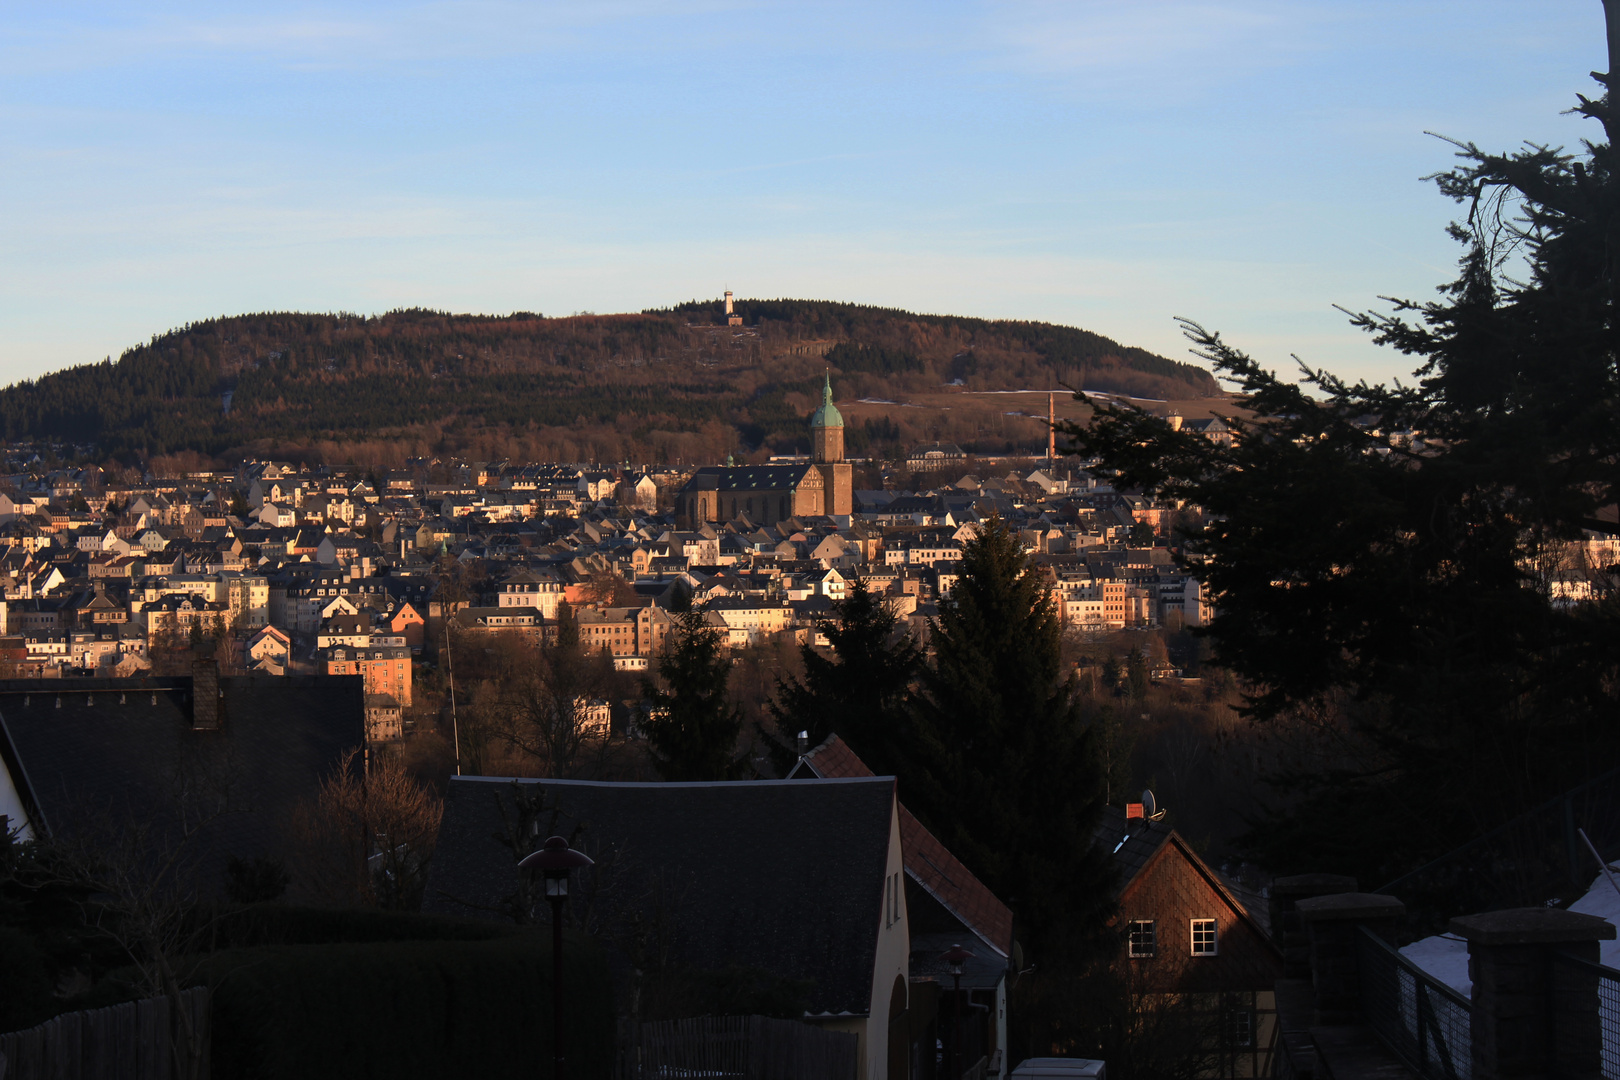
(955, 959)
(556, 860)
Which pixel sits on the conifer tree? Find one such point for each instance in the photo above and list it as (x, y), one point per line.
(692, 727)
(1004, 771)
(1387, 561)
(1136, 668)
(861, 692)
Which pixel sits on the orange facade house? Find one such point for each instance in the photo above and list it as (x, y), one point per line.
(386, 669)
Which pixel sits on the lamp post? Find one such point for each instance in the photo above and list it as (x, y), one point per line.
(556, 860)
(955, 958)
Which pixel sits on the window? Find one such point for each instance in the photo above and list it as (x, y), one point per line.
(1240, 1028)
(1144, 938)
(1203, 937)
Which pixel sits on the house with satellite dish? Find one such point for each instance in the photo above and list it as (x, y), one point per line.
(1185, 935)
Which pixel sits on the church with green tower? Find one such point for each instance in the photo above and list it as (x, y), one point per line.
(827, 453)
(766, 494)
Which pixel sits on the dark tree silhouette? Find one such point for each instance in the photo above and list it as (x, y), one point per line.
(1002, 754)
(861, 692)
(692, 727)
(1388, 560)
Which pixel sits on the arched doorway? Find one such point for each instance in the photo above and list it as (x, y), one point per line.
(899, 1032)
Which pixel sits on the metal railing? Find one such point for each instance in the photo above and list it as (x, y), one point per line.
(1424, 1022)
(1578, 981)
(1524, 862)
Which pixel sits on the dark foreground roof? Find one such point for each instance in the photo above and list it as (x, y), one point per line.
(110, 756)
(928, 862)
(786, 876)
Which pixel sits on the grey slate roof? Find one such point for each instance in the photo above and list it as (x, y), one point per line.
(782, 875)
(133, 756)
(1140, 840)
(747, 478)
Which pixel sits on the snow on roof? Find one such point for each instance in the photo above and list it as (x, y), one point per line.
(1603, 900)
(1445, 956)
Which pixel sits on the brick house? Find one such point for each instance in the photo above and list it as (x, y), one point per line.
(1184, 934)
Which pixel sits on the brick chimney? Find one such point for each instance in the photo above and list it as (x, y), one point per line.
(206, 698)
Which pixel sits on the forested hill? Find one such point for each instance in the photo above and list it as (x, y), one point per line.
(662, 385)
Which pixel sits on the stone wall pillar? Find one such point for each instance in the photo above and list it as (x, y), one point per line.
(1331, 922)
(1287, 928)
(1533, 1019)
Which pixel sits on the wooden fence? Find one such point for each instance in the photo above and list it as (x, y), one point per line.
(121, 1042)
(733, 1048)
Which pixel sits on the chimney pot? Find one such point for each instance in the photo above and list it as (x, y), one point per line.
(206, 695)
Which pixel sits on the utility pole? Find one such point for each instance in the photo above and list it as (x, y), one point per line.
(450, 668)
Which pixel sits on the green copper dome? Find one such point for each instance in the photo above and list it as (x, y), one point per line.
(828, 415)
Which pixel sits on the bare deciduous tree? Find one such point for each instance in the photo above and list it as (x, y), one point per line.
(136, 869)
(367, 840)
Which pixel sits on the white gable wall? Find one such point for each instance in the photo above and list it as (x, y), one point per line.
(11, 805)
(893, 961)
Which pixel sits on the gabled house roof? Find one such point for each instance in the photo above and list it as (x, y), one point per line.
(786, 876)
(89, 754)
(928, 862)
(1137, 844)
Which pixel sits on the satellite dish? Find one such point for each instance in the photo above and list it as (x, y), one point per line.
(1150, 808)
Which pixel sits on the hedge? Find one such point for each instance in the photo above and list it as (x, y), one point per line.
(277, 924)
(398, 1009)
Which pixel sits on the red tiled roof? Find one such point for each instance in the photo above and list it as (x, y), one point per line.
(928, 862)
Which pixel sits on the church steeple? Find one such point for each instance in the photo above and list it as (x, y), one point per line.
(826, 428)
(827, 452)
(828, 415)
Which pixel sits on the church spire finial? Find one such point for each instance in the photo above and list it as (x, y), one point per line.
(826, 389)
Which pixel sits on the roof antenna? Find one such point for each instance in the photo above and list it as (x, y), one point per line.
(1603, 865)
(1150, 806)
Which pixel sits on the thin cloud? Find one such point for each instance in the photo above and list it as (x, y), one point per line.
(358, 37)
(1114, 49)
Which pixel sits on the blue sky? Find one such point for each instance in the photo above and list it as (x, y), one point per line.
(1247, 163)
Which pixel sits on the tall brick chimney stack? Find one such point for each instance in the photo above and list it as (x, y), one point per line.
(1051, 427)
(205, 695)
